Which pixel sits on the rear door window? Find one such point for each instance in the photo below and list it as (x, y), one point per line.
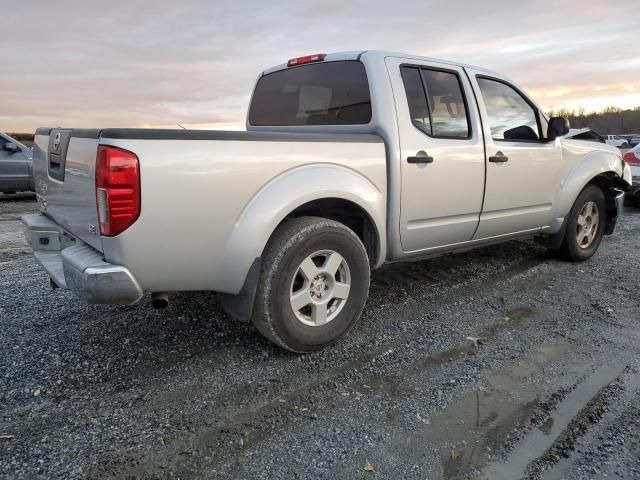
(437, 104)
(331, 93)
(417, 99)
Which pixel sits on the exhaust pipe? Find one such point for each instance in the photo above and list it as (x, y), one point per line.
(160, 300)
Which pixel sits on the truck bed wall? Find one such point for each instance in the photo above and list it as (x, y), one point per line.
(210, 200)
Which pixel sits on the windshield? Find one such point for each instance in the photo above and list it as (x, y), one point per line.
(332, 93)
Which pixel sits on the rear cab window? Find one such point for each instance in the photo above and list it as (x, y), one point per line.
(329, 93)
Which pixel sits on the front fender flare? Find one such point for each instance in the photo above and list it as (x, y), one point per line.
(589, 167)
(282, 195)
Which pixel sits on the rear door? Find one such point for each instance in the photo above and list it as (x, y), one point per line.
(14, 168)
(442, 153)
(523, 168)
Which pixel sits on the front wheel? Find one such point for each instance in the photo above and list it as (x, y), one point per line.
(585, 226)
(313, 284)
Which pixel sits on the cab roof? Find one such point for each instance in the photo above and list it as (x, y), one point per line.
(357, 54)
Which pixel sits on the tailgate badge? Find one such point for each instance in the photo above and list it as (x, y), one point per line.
(56, 141)
(92, 229)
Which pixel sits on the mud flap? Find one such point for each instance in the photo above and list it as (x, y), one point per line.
(240, 307)
(553, 242)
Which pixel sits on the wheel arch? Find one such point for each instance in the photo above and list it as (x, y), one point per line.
(348, 213)
(607, 182)
(601, 168)
(325, 190)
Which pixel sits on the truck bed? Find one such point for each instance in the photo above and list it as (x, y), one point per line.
(197, 187)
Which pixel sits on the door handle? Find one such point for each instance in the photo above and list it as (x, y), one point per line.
(421, 157)
(499, 157)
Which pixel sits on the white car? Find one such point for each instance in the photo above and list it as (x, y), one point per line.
(351, 160)
(632, 157)
(616, 141)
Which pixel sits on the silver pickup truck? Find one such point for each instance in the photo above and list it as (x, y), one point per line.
(350, 160)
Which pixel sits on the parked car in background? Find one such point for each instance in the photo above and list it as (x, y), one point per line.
(632, 157)
(15, 166)
(616, 141)
(635, 140)
(351, 160)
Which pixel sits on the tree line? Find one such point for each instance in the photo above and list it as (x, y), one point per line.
(610, 121)
(21, 137)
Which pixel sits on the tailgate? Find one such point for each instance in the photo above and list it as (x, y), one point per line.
(64, 175)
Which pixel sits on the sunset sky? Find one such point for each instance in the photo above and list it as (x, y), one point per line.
(159, 63)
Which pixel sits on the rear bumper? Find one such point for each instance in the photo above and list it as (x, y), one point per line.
(78, 267)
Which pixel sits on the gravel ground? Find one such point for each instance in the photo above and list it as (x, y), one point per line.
(551, 390)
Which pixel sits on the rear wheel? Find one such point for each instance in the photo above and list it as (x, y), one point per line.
(585, 227)
(313, 284)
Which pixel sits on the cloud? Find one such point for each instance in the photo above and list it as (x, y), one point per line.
(134, 63)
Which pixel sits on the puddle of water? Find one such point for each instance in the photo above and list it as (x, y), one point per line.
(538, 441)
(508, 403)
(547, 426)
(386, 385)
(515, 320)
(467, 432)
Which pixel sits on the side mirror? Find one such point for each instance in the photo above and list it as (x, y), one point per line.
(11, 147)
(558, 126)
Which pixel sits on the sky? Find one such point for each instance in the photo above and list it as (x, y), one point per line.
(160, 63)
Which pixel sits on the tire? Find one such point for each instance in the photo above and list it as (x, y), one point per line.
(284, 281)
(578, 245)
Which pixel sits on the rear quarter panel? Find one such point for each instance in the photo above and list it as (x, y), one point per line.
(209, 207)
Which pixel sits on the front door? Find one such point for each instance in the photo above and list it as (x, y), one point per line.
(442, 154)
(523, 168)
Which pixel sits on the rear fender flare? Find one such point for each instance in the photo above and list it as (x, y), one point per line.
(281, 196)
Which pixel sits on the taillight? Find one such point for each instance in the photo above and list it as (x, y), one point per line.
(117, 189)
(631, 158)
(318, 57)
